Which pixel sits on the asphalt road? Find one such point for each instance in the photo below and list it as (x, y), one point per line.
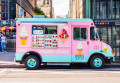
(46, 75)
(11, 72)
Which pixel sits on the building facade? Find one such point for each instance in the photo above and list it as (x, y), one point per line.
(47, 8)
(76, 8)
(10, 9)
(106, 16)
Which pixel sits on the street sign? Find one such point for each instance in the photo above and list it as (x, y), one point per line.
(108, 22)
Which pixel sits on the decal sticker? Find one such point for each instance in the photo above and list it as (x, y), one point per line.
(105, 48)
(79, 57)
(23, 35)
(63, 36)
(61, 26)
(79, 48)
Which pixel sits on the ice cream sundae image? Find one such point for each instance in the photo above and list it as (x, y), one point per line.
(105, 48)
(79, 48)
(63, 36)
(23, 35)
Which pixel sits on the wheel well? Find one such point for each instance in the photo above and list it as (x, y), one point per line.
(96, 54)
(31, 53)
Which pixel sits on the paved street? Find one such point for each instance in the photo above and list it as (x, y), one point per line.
(58, 76)
(11, 72)
(7, 56)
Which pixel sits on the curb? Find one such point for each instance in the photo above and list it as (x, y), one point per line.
(10, 65)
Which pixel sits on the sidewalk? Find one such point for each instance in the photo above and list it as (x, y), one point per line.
(7, 61)
(7, 56)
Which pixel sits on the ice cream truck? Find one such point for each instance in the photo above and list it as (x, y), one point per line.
(50, 41)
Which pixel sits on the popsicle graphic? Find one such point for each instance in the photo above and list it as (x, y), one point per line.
(105, 48)
(79, 48)
(63, 36)
(23, 35)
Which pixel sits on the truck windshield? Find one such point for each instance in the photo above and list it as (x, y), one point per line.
(93, 35)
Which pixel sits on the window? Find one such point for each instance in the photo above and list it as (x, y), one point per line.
(93, 35)
(44, 36)
(97, 9)
(48, 2)
(50, 29)
(103, 10)
(44, 2)
(117, 9)
(109, 9)
(79, 33)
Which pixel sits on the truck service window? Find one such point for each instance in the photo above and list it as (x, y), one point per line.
(51, 38)
(44, 36)
(80, 33)
(50, 30)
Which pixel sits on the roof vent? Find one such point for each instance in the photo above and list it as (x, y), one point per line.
(38, 16)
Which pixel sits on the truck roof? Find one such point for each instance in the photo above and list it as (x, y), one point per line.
(50, 20)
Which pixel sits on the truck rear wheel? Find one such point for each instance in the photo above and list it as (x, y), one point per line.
(97, 62)
(32, 62)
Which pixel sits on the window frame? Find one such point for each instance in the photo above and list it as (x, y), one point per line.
(51, 26)
(95, 34)
(80, 30)
(44, 37)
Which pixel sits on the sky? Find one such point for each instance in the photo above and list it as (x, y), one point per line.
(61, 7)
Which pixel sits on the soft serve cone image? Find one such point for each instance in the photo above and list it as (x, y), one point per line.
(79, 48)
(105, 48)
(23, 36)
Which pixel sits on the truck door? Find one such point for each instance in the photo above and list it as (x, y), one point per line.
(94, 43)
(80, 45)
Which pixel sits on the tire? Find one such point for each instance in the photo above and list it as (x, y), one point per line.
(97, 62)
(32, 62)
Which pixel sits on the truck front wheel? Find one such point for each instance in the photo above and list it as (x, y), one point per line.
(32, 62)
(97, 62)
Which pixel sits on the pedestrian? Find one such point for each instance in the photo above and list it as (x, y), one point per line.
(11, 35)
(3, 43)
(0, 41)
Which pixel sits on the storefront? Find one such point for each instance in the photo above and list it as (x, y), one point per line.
(109, 32)
(10, 33)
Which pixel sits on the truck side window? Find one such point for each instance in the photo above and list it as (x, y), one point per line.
(92, 34)
(79, 33)
(50, 29)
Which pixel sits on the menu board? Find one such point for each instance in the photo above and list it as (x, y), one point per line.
(41, 40)
(38, 41)
(51, 41)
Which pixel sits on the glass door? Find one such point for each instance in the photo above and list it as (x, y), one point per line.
(111, 36)
(116, 42)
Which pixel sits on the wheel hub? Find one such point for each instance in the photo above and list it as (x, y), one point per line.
(97, 62)
(31, 62)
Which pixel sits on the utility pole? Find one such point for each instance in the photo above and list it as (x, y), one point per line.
(51, 9)
(8, 12)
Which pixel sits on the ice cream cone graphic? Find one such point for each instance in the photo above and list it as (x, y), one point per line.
(23, 36)
(105, 48)
(79, 48)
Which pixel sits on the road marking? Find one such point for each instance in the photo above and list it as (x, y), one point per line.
(3, 70)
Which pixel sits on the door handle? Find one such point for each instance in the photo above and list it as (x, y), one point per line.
(87, 42)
